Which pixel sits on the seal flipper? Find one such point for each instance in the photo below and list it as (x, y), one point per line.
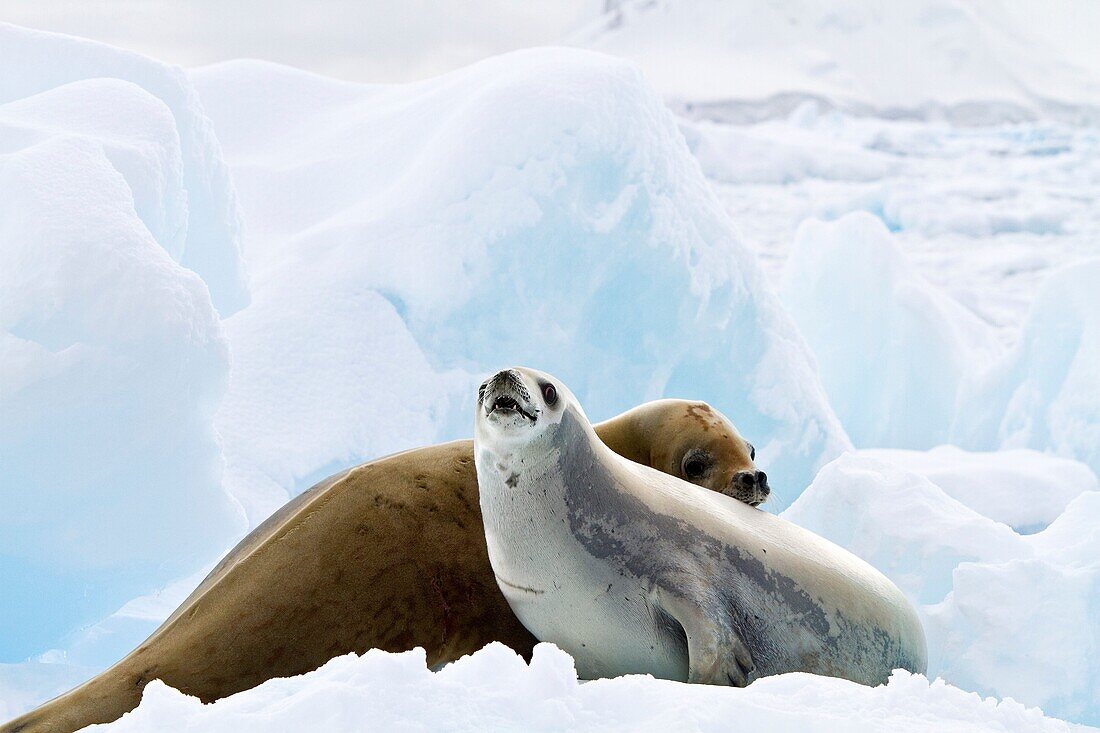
(716, 653)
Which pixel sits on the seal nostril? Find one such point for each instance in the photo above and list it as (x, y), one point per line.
(761, 478)
(747, 479)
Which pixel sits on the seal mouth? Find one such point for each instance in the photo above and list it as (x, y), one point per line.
(506, 399)
(506, 405)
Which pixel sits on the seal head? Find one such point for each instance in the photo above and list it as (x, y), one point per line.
(706, 450)
(699, 445)
(518, 409)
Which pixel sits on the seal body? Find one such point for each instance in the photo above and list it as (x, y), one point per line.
(388, 555)
(634, 571)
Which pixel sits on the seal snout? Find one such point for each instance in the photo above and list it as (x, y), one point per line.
(751, 487)
(505, 397)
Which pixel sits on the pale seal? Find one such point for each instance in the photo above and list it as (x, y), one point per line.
(390, 555)
(634, 571)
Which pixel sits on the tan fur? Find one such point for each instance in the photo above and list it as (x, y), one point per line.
(389, 555)
(682, 425)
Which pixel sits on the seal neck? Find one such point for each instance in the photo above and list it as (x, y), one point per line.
(582, 457)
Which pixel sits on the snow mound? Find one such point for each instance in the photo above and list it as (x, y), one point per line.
(905, 365)
(768, 153)
(1045, 394)
(495, 690)
(893, 350)
(1024, 489)
(208, 242)
(112, 358)
(408, 239)
(901, 523)
(967, 60)
(1027, 627)
(1004, 614)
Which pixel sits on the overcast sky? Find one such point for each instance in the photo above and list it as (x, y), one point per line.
(368, 40)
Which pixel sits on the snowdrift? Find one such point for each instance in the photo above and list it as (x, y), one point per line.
(35, 62)
(893, 350)
(112, 355)
(495, 690)
(408, 239)
(1005, 614)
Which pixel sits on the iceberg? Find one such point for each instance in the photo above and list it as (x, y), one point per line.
(1005, 614)
(1045, 394)
(112, 358)
(35, 62)
(405, 240)
(893, 350)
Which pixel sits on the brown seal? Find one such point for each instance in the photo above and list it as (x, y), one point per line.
(388, 555)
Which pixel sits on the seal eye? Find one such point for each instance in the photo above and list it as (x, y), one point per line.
(695, 465)
(549, 394)
(752, 452)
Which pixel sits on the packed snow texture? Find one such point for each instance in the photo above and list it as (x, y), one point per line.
(893, 350)
(1005, 614)
(492, 216)
(495, 690)
(209, 244)
(112, 356)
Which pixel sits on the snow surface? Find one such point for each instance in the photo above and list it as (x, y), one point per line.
(1024, 489)
(495, 690)
(209, 244)
(967, 60)
(112, 360)
(893, 350)
(1005, 614)
(490, 216)
(171, 376)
